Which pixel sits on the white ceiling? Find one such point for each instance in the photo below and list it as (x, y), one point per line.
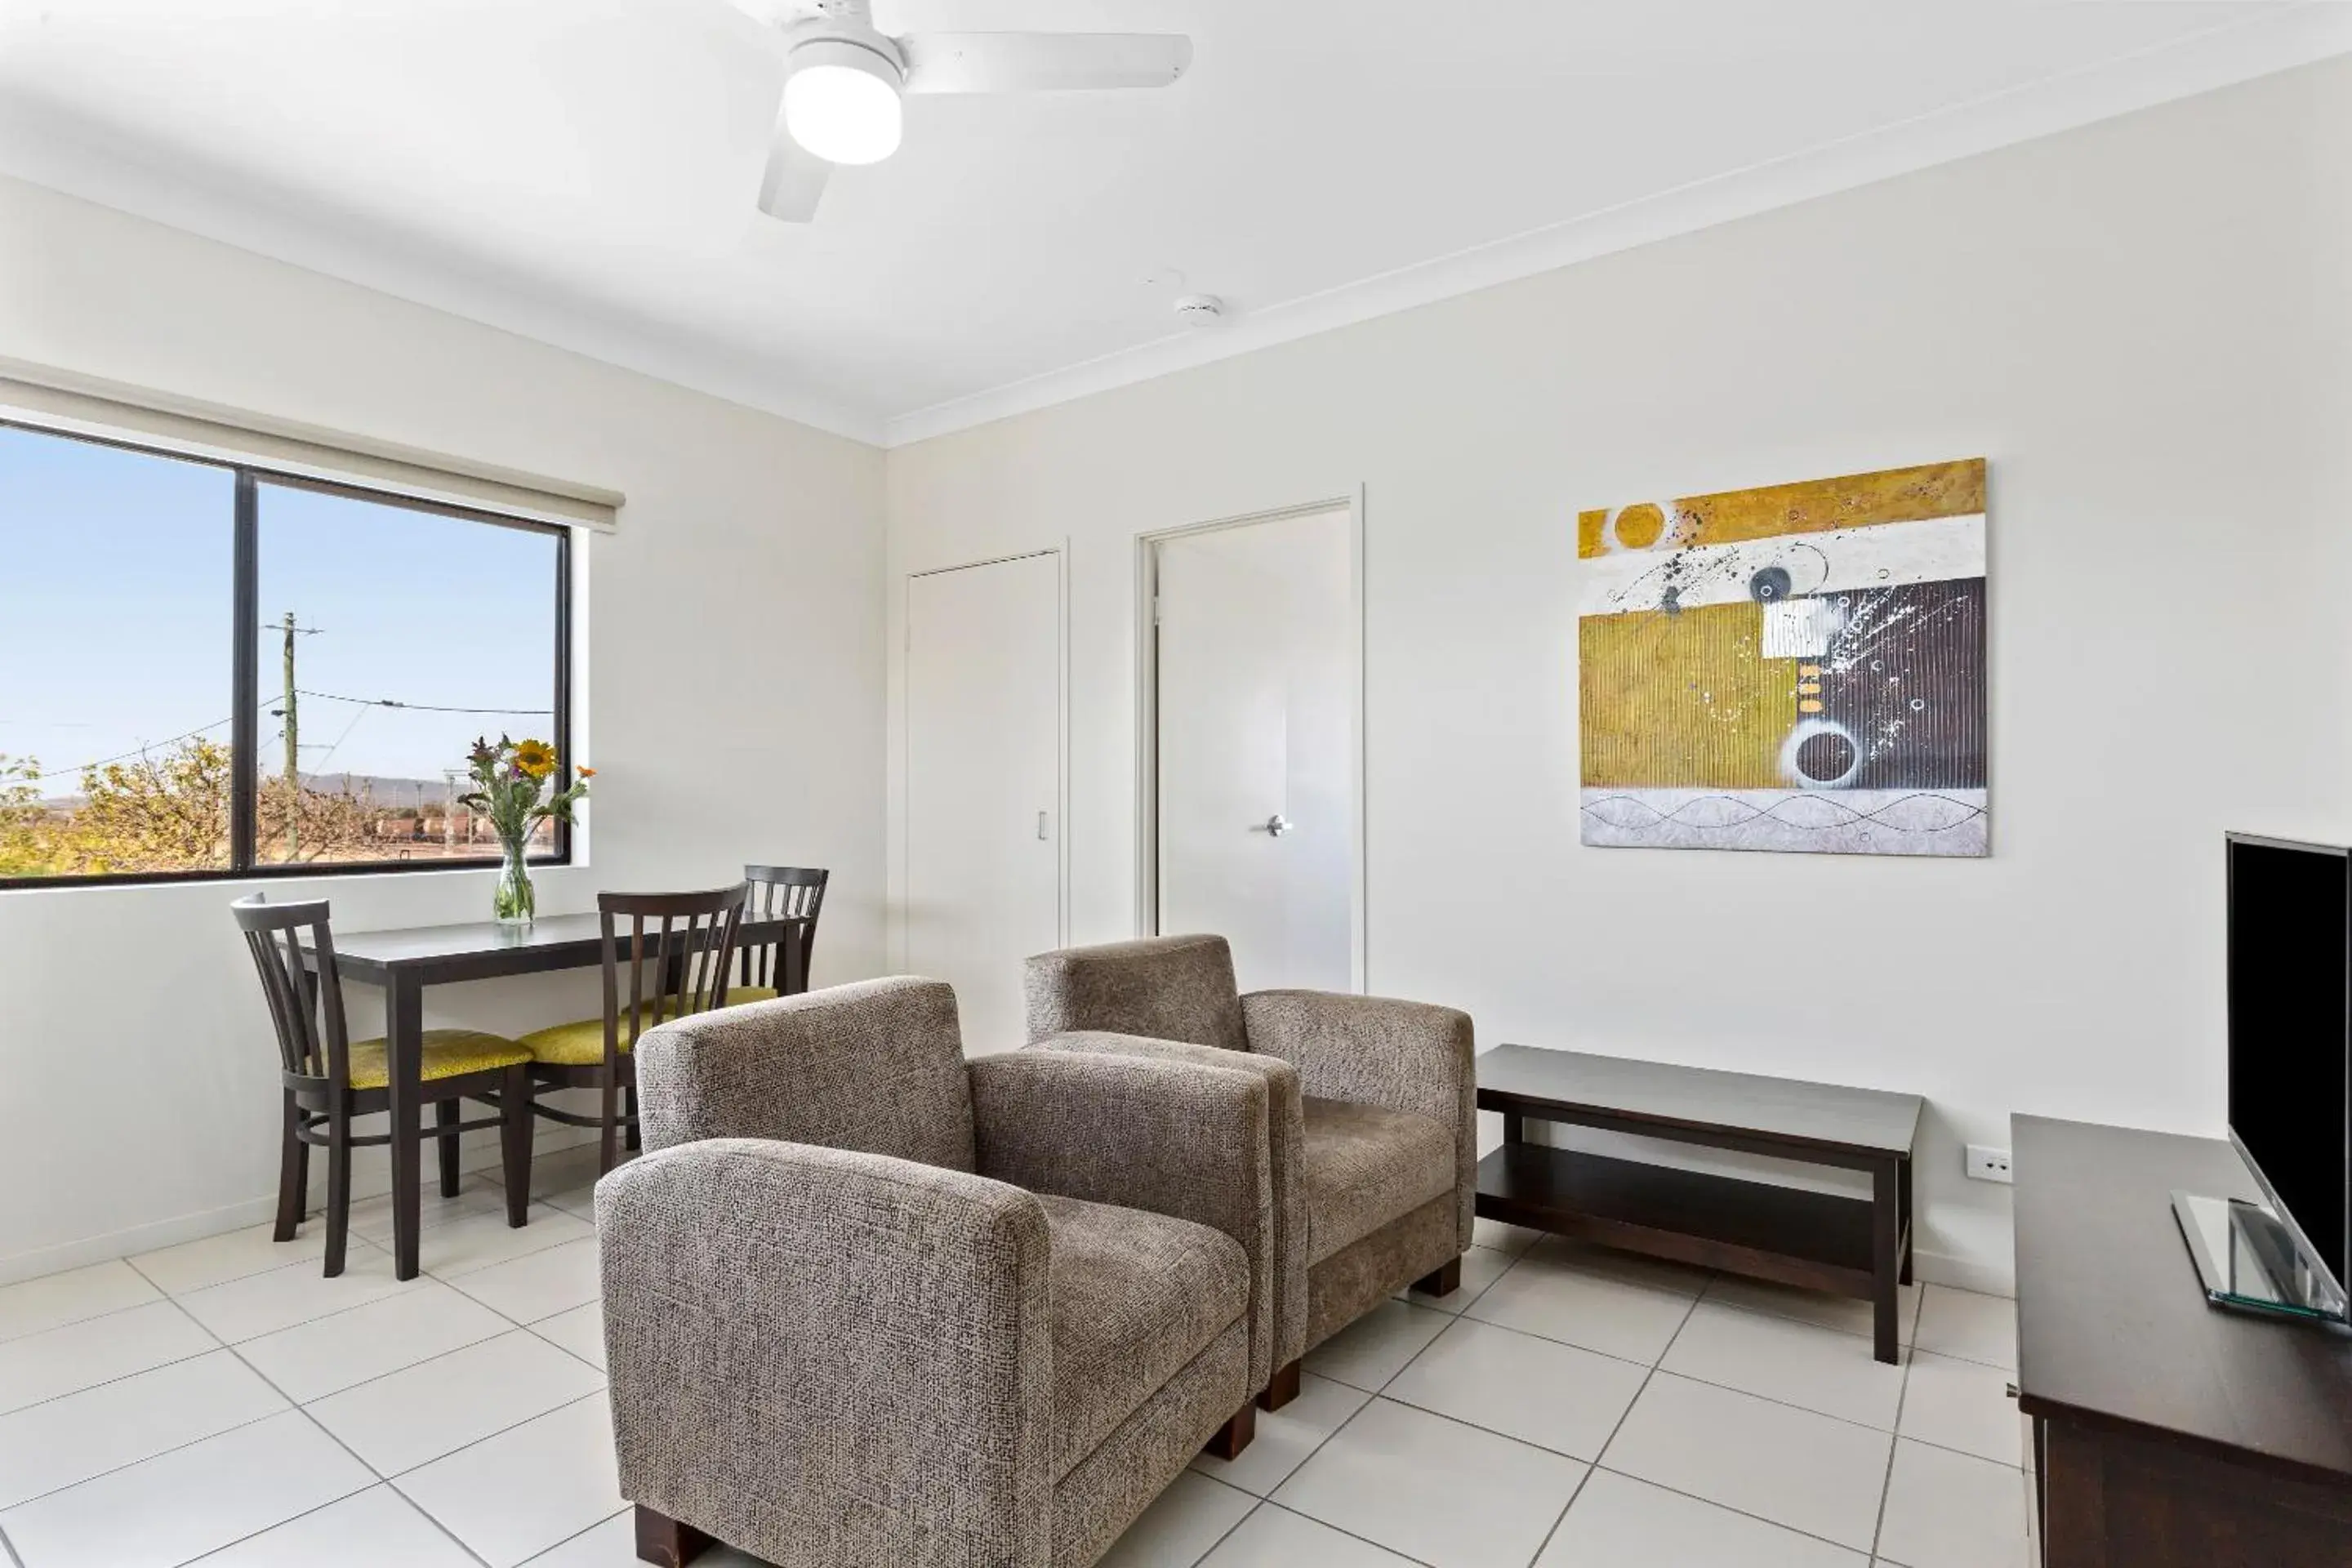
(583, 170)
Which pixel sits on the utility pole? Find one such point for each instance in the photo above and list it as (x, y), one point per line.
(293, 752)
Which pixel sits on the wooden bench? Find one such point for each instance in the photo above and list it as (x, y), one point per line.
(1851, 1246)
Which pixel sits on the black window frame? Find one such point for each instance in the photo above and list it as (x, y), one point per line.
(245, 671)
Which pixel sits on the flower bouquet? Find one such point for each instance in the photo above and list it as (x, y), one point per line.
(510, 782)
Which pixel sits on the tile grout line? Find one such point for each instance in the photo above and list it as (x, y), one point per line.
(1895, 1439)
(173, 1448)
(378, 1477)
(1342, 1529)
(1586, 1479)
(395, 1479)
(560, 1545)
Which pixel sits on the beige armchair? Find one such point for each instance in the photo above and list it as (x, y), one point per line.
(865, 1302)
(1374, 1123)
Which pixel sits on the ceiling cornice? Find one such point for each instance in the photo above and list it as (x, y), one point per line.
(2218, 58)
(89, 170)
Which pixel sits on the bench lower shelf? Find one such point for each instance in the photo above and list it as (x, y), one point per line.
(1814, 1240)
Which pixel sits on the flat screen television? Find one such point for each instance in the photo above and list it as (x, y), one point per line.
(2290, 998)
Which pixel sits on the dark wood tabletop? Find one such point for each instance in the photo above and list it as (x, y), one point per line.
(1778, 1110)
(483, 949)
(2113, 1324)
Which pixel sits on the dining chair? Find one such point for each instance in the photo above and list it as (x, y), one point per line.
(328, 1079)
(677, 947)
(778, 892)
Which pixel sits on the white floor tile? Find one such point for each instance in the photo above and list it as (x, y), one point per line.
(95, 1349)
(34, 1306)
(1434, 1489)
(1513, 1239)
(1797, 1364)
(423, 1412)
(569, 1481)
(1844, 1313)
(1972, 1327)
(372, 1218)
(1481, 1266)
(1963, 1404)
(264, 1303)
(1811, 1473)
(46, 1446)
(375, 1529)
(539, 1284)
(612, 1544)
(1183, 1522)
(1375, 1347)
(1554, 1395)
(462, 1245)
(1617, 1521)
(1277, 1538)
(581, 1331)
(580, 1200)
(1285, 1437)
(232, 1255)
(1616, 1316)
(313, 1360)
(1950, 1511)
(189, 1501)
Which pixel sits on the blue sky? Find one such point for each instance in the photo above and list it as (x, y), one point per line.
(115, 616)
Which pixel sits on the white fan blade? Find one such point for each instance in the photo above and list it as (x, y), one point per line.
(794, 180)
(1042, 62)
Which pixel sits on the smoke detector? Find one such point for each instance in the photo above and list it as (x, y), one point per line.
(1200, 310)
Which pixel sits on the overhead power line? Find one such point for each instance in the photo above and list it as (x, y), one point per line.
(74, 772)
(424, 707)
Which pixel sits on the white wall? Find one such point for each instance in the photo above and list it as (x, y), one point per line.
(2142, 323)
(733, 704)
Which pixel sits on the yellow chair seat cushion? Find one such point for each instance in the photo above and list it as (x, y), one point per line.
(448, 1053)
(579, 1044)
(739, 994)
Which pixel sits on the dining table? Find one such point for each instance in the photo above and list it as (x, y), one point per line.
(405, 961)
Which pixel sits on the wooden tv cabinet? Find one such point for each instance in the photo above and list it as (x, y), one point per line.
(2168, 1433)
(1852, 1246)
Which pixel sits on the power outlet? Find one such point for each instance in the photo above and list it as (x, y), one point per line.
(1986, 1163)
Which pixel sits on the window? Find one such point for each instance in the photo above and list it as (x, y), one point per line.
(208, 669)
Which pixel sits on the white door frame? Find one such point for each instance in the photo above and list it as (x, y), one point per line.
(1146, 711)
(1061, 553)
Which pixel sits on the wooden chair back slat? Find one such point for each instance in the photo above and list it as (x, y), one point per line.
(778, 892)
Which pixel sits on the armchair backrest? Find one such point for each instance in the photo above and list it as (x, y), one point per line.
(876, 1067)
(1162, 988)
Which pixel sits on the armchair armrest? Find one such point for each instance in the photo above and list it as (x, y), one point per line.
(1285, 1156)
(823, 1356)
(1176, 1138)
(1374, 1050)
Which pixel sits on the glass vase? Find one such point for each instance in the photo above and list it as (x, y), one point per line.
(515, 901)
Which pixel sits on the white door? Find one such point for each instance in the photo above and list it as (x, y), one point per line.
(983, 784)
(1255, 737)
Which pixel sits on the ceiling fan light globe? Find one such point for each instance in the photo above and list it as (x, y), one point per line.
(841, 103)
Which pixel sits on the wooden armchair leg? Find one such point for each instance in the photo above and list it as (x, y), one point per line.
(663, 1539)
(1441, 1282)
(1234, 1436)
(1283, 1389)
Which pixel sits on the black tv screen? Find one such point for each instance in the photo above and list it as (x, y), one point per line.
(2290, 907)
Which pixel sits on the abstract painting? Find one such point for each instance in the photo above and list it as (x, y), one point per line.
(1798, 667)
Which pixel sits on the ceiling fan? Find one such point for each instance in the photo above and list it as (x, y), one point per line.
(844, 79)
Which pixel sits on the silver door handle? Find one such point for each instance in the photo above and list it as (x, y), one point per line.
(1278, 825)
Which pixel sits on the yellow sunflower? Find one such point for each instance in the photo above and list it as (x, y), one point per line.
(534, 759)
